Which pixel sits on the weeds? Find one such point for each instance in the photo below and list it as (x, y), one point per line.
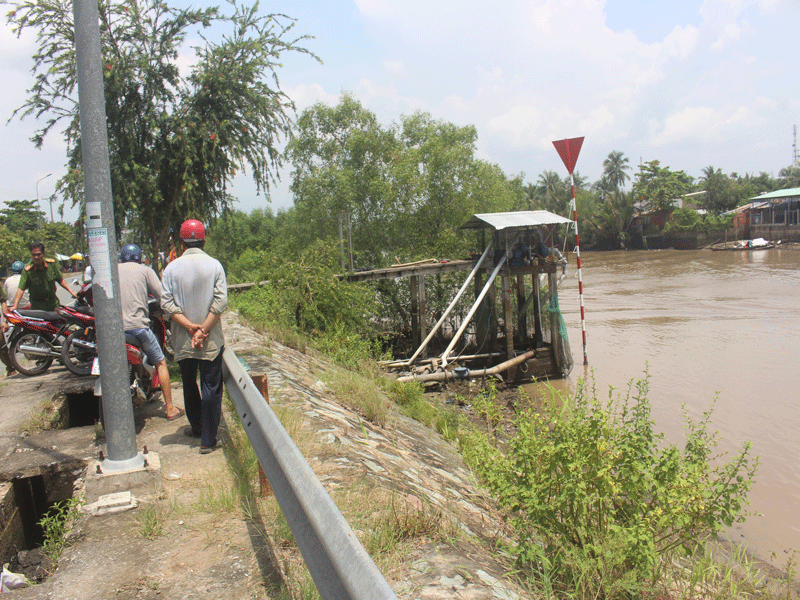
(596, 498)
(46, 416)
(362, 395)
(405, 520)
(410, 398)
(56, 525)
(151, 521)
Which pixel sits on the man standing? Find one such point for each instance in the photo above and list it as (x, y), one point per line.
(195, 293)
(40, 278)
(12, 282)
(136, 283)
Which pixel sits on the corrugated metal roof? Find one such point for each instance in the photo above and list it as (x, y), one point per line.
(787, 193)
(514, 220)
(749, 206)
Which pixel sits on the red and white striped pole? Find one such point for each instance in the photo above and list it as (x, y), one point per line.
(568, 150)
(580, 275)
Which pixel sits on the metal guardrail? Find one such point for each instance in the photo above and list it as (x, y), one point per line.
(337, 561)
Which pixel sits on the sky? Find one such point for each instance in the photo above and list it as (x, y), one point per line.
(689, 83)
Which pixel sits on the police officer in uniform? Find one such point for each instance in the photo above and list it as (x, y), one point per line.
(40, 279)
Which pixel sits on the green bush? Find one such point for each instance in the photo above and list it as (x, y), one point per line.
(596, 498)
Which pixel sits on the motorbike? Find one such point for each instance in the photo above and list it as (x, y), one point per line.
(142, 375)
(37, 336)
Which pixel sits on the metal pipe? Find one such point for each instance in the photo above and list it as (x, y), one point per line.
(477, 302)
(392, 364)
(445, 375)
(452, 304)
(38, 351)
(337, 561)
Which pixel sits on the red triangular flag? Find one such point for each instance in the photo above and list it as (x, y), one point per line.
(568, 150)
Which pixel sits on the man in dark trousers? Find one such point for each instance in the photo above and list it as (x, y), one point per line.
(194, 295)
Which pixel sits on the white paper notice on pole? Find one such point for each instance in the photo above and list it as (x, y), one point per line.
(98, 250)
(93, 215)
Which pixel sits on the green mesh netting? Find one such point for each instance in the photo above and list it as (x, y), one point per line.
(555, 312)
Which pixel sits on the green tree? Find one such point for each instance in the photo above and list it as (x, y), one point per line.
(58, 238)
(12, 247)
(175, 142)
(406, 187)
(555, 193)
(609, 220)
(658, 186)
(21, 216)
(614, 168)
(790, 176)
(342, 161)
(237, 232)
(721, 193)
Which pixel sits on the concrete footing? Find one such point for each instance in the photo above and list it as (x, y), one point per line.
(141, 481)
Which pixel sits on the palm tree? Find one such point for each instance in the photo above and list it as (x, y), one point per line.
(554, 192)
(614, 168)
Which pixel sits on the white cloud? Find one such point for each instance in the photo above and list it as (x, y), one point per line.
(681, 41)
(700, 122)
(395, 67)
(309, 94)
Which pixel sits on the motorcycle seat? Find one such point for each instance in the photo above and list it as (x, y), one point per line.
(44, 315)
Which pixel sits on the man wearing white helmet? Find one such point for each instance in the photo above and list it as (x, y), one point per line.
(195, 293)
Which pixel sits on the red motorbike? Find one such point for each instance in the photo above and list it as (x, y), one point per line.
(38, 336)
(142, 375)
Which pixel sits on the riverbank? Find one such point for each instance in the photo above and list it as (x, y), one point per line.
(197, 539)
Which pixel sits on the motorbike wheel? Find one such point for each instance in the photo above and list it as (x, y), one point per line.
(29, 364)
(77, 359)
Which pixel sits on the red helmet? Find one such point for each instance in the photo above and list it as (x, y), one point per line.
(192, 231)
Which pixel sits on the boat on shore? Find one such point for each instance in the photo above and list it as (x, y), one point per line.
(756, 244)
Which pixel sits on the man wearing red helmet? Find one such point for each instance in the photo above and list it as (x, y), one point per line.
(194, 294)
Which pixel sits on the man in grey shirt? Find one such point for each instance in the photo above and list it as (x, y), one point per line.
(137, 283)
(195, 293)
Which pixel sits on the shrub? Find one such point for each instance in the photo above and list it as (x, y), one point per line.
(596, 497)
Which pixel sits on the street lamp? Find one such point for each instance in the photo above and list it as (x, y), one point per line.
(37, 199)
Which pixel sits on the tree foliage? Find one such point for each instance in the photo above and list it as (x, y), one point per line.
(175, 141)
(658, 186)
(406, 187)
(614, 168)
(721, 192)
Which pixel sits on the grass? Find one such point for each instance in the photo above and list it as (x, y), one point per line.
(361, 394)
(46, 416)
(150, 519)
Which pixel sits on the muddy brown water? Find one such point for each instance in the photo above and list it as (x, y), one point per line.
(722, 325)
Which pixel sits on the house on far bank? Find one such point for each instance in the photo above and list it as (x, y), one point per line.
(649, 220)
(774, 216)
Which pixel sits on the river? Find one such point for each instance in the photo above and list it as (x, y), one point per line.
(708, 324)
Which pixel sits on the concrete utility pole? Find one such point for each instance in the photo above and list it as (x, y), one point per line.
(117, 406)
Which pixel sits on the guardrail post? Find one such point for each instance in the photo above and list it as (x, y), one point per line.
(262, 384)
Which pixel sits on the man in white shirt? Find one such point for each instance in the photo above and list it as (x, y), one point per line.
(195, 293)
